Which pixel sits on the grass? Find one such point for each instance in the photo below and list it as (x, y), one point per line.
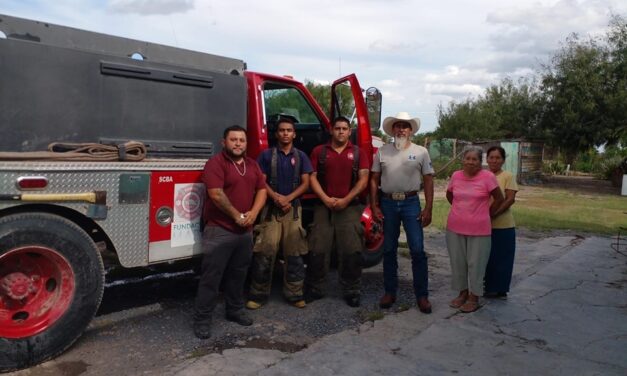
(547, 209)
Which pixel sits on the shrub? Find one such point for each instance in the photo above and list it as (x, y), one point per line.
(613, 169)
(553, 167)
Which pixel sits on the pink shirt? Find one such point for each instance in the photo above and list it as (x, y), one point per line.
(470, 212)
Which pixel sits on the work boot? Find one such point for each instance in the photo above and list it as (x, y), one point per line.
(202, 329)
(423, 305)
(299, 303)
(352, 300)
(251, 304)
(239, 317)
(387, 301)
(311, 296)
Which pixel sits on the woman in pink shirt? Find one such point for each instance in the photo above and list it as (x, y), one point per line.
(468, 229)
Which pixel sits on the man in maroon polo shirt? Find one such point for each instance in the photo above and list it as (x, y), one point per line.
(237, 193)
(340, 175)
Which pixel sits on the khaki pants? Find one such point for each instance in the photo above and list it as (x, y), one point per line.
(279, 232)
(469, 257)
(343, 232)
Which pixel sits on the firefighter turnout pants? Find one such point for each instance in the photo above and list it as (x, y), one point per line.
(343, 232)
(280, 231)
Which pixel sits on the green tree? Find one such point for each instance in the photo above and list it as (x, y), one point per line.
(506, 110)
(585, 87)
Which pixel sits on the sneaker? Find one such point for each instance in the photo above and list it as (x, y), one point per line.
(251, 304)
(299, 304)
(202, 330)
(352, 300)
(239, 317)
(387, 301)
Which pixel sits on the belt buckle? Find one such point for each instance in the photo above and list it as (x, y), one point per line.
(398, 196)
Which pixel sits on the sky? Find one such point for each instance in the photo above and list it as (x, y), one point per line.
(420, 54)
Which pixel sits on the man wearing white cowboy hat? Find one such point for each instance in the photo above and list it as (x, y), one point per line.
(397, 172)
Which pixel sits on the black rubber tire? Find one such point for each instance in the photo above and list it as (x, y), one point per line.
(370, 258)
(80, 251)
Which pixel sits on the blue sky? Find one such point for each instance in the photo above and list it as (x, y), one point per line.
(418, 53)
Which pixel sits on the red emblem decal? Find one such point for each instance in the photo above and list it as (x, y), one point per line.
(188, 203)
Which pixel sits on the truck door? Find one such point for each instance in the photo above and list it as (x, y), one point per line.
(347, 100)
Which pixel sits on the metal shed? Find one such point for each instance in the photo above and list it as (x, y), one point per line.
(524, 158)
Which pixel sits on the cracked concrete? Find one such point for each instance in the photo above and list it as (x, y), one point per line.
(566, 317)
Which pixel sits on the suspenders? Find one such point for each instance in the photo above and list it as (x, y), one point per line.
(322, 160)
(274, 162)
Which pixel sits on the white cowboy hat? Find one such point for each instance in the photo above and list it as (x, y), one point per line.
(389, 121)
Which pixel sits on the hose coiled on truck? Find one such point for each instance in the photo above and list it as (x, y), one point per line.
(59, 151)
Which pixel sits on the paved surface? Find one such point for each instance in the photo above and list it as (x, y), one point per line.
(566, 313)
(569, 317)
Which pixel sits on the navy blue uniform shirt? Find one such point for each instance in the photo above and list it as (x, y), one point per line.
(285, 168)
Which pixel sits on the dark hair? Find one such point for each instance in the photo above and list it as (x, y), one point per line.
(232, 128)
(499, 149)
(342, 119)
(285, 119)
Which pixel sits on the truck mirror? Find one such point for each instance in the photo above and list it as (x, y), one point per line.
(373, 103)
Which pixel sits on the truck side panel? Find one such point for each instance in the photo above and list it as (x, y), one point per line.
(130, 212)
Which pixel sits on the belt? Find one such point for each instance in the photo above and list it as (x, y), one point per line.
(399, 196)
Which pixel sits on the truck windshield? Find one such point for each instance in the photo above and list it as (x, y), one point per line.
(285, 100)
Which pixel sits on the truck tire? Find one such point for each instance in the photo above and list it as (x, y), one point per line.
(51, 284)
(373, 230)
(372, 257)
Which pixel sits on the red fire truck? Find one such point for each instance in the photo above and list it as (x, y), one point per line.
(61, 214)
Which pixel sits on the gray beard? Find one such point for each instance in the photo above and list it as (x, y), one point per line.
(400, 142)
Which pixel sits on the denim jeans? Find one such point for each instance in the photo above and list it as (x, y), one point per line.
(407, 212)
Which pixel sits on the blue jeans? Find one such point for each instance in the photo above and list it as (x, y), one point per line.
(406, 211)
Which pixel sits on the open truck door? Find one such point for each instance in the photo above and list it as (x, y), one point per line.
(365, 115)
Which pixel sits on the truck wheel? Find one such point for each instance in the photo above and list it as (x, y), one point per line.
(373, 230)
(51, 284)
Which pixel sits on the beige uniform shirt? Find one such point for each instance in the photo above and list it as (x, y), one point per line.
(402, 171)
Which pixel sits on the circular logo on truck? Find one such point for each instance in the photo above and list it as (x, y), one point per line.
(188, 202)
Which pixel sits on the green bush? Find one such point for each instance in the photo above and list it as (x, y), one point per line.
(553, 167)
(612, 168)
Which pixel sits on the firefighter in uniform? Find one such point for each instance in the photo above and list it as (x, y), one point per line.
(286, 170)
(340, 175)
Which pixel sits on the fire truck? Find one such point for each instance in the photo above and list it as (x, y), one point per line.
(68, 214)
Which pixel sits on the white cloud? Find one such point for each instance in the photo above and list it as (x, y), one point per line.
(390, 83)
(387, 46)
(453, 90)
(151, 6)
(392, 96)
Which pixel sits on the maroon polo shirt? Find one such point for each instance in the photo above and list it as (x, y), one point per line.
(338, 168)
(220, 172)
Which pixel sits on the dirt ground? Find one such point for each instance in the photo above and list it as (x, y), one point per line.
(145, 326)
